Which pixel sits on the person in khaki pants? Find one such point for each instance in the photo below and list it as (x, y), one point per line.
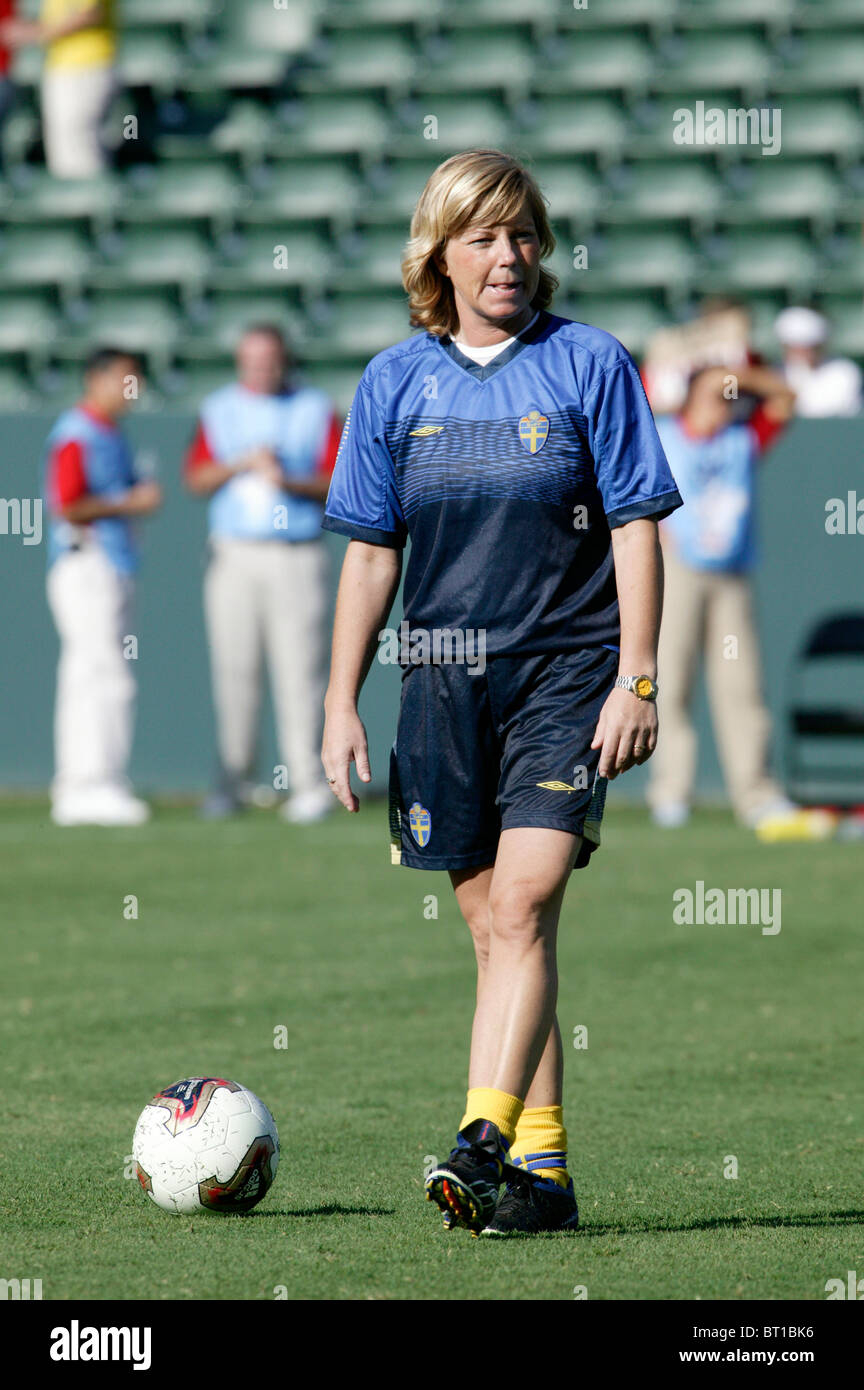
(263, 454)
(708, 556)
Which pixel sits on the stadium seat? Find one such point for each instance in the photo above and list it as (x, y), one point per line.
(597, 62)
(393, 189)
(254, 45)
(354, 13)
(479, 60)
(147, 323)
(774, 14)
(827, 126)
(371, 258)
(357, 326)
(183, 192)
(662, 190)
(658, 121)
(298, 190)
(316, 125)
(630, 319)
(739, 62)
(221, 322)
(574, 125)
(621, 14)
(185, 14)
(154, 256)
(58, 256)
(274, 258)
(847, 322)
(459, 123)
(573, 190)
(619, 260)
(246, 131)
(845, 272)
(500, 13)
(760, 259)
(38, 198)
(823, 62)
(150, 58)
(28, 324)
(359, 61)
(773, 191)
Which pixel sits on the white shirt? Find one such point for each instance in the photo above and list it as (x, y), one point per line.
(831, 388)
(483, 355)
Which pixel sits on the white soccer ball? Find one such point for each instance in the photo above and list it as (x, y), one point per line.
(205, 1144)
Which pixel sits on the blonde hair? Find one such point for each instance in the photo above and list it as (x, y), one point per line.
(477, 186)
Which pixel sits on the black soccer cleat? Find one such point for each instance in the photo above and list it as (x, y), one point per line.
(532, 1205)
(466, 1186)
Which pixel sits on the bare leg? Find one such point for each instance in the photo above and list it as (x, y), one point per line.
(512, 912)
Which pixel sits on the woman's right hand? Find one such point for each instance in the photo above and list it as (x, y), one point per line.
(345, 743)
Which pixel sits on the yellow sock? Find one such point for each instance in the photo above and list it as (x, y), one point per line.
(540, 1134)
(501, 1110)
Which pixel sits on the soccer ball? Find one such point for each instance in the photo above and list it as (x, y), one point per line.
(205, 1144)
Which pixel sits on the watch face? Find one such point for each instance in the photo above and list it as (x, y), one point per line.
(644, 687)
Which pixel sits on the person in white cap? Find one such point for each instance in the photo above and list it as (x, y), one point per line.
(823, 386)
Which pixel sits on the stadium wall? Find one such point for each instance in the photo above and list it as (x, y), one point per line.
(805, 574)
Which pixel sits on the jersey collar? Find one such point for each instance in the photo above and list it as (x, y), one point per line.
(482, 372)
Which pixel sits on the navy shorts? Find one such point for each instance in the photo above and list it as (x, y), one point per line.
(476, 754)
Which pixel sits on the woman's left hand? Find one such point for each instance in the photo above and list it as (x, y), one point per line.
(626, 732)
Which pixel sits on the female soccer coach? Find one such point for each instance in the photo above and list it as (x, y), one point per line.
(518, 452)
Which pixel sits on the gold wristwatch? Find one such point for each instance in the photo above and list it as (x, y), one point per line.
(641, 686)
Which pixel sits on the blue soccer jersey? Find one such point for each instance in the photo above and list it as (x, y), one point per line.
(507, 478)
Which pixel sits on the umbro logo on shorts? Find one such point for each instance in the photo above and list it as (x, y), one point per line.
(557, 786)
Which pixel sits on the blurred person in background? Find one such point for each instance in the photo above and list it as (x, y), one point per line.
(78, 81)
(7, 90)
(823, 386)
(93, 495)
(708, 556)
(263, 454)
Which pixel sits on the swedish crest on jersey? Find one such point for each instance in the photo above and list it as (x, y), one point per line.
(420, 823)
(533, 431)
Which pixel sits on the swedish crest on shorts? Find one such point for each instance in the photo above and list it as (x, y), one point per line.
(533, 431)
(420, 823)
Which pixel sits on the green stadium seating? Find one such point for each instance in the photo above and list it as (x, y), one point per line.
(28, 324)
(631, 319)
(355, 325)
(393, 189)
(773, 191)
(479, 60)
(180, 192)
(500, 13)
(824, 13)
(777, 14)
(738, 61)
(372, 259)
(255, 43)
(662, 190)
(597, 62)
(847, 324)
(186, 14)
(462, 123)
(827, 126)
(297, 190)
(339, 383)
(356, 13)
(575, 126)
(754, 260)
(147, 323)
(573, 190)
(150, 59)
(139, 257)
(824, 62)
(619, 260)
(40, 199)
(657, 124)
(275, 258)
(845, 274)
(219, 326)
(317, 125)
(54, 256)
(358, 61)
(621, 14)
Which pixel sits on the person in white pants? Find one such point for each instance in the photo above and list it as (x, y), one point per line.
(78, 81)
(92, 495)
(263, 454)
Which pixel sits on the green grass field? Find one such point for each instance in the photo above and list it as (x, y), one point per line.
(703, 1042)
